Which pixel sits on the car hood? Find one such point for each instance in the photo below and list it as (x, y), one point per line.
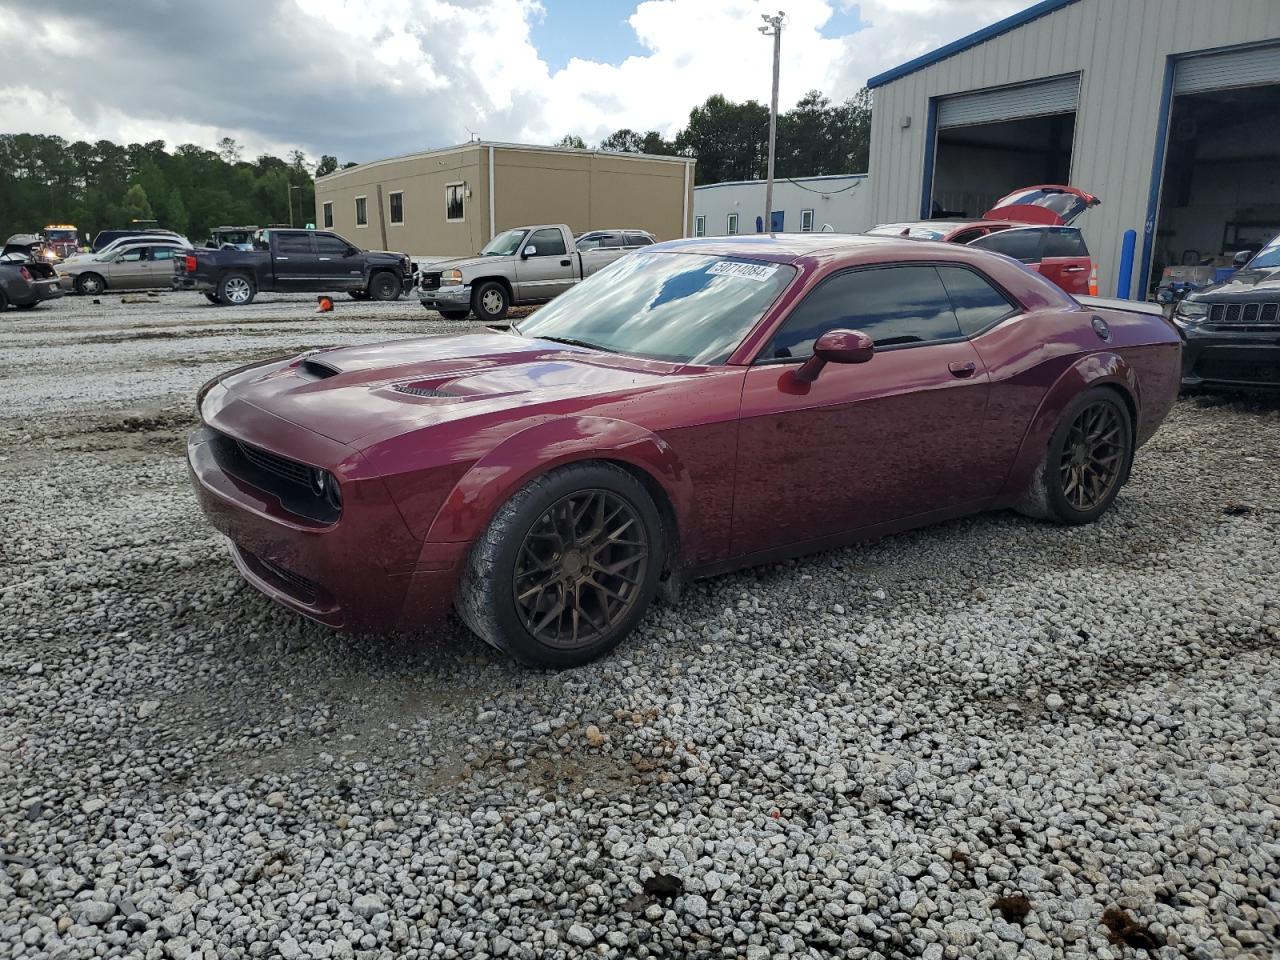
(1243, 285)
(367, 393)
(462, 263)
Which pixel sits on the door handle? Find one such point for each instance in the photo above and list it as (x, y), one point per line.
(282, 258)
(963, 370)
(1073, 269)
(324, 258)
(565, 263)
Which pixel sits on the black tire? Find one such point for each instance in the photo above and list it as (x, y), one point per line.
(4, 302)
(357, 295)
(213, 298)
(27, 306)
(1089, 457)
(89, 284)
(236, 290)
(487, 599)
(491, 301)
(384, 285)
(455, 314)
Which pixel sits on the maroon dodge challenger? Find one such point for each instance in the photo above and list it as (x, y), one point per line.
(695, 407)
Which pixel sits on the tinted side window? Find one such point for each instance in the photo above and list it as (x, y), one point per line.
(638, 240)
(893, 306)
(293, 243)
(976, 302)
(329, 246)
(1064, 242)
(550, 243)
(1022, 245)
(612, 240)
(162, 253)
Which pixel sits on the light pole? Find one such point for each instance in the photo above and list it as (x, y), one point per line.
(772, 28)
(293, 187)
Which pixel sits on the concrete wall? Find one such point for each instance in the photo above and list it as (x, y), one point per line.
(586, 189)
(841, 201)
(1122, 51)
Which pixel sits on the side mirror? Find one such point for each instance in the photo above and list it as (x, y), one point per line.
(528, 252)
(836, 346)
(1241, 258)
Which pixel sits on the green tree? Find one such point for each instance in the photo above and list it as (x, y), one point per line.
(136, 206)
(326, 166)
(572, 140)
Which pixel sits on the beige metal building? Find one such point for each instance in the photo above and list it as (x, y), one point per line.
(451, 202)
(1169, 110)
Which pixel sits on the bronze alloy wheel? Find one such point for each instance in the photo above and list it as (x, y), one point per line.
(580, 568)
(1092, 456)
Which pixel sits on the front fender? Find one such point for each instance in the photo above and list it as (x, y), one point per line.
(1093, 370)
(497, 475)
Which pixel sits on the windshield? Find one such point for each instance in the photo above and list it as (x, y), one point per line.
(1268, 256)
(504, 244)
(685, 308)
(61, 234)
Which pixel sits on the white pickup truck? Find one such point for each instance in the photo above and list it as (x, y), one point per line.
(520, 266)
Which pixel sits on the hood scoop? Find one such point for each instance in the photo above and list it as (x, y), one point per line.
(318, 369)
(422, 390)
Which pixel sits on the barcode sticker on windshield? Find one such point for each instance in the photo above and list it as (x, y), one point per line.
(759, 272)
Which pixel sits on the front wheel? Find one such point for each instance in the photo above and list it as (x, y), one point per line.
(1089, 457)
(491, 301)
(566, 568)
(384, 286)
(89, 284)
(236, 289)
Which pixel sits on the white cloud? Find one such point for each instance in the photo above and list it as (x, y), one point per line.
(370, 78)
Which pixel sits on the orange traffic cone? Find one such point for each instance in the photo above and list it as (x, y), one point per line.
(326, 304)
(1093, 281)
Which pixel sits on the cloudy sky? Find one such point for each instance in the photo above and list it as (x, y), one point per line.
(364, 79)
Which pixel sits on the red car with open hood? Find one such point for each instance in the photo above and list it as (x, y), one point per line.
(1033, 225)
(695, 407)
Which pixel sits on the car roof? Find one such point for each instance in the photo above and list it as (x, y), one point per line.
(793, 248)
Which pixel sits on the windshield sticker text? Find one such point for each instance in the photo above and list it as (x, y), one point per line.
(760, 272)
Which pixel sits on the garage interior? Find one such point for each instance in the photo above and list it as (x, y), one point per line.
(1221, 189)
(993, 142)
(977, 165)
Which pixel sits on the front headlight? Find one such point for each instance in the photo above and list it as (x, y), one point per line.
(1189, 311)
(450, 277)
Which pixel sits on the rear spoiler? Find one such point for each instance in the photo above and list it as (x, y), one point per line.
(1131, 306)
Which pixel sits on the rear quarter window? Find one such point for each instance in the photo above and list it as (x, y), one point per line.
(1022, 245)
(977, 304)
(1064, 242)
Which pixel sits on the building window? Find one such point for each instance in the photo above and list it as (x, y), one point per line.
(328, 214)
(806, 221)
(700, 226)
(731, 225)
(455, 196)
(397, 206)
(362, 212)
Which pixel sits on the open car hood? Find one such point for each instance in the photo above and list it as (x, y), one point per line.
(1048, 204)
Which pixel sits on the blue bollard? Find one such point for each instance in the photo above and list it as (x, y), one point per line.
(1124, 285)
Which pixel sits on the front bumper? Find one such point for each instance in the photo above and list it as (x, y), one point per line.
(1214, 355)
(454, 297)
(364, 572)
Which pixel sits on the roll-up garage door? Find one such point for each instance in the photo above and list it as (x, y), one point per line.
(1059, 95)
(1252, 67)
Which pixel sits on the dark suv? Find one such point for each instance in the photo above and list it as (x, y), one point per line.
(1231, 330)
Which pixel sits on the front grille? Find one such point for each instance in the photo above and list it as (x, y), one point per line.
(282, 467)
(431, 281)
(1244, 314)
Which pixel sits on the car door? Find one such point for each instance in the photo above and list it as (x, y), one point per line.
(544, 269)
(898, 436)
(1065, 259)
(293, 260)
(339, 262)
(128, 270)
(160, 269)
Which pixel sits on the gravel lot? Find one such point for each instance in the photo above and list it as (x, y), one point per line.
(993, 738)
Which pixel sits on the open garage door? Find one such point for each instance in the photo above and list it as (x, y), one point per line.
(1220, 191)
(994, 141)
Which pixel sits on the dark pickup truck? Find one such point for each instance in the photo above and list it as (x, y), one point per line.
(293, 261)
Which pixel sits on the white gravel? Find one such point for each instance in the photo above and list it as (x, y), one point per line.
(876, 752)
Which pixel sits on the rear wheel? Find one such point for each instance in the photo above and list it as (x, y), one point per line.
(455, 314)
(384, 286)
(236, 289)
(357, 295)
(27, 306)
(490, 301)
(89, 284)
(566, 567)
(1089, 457)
